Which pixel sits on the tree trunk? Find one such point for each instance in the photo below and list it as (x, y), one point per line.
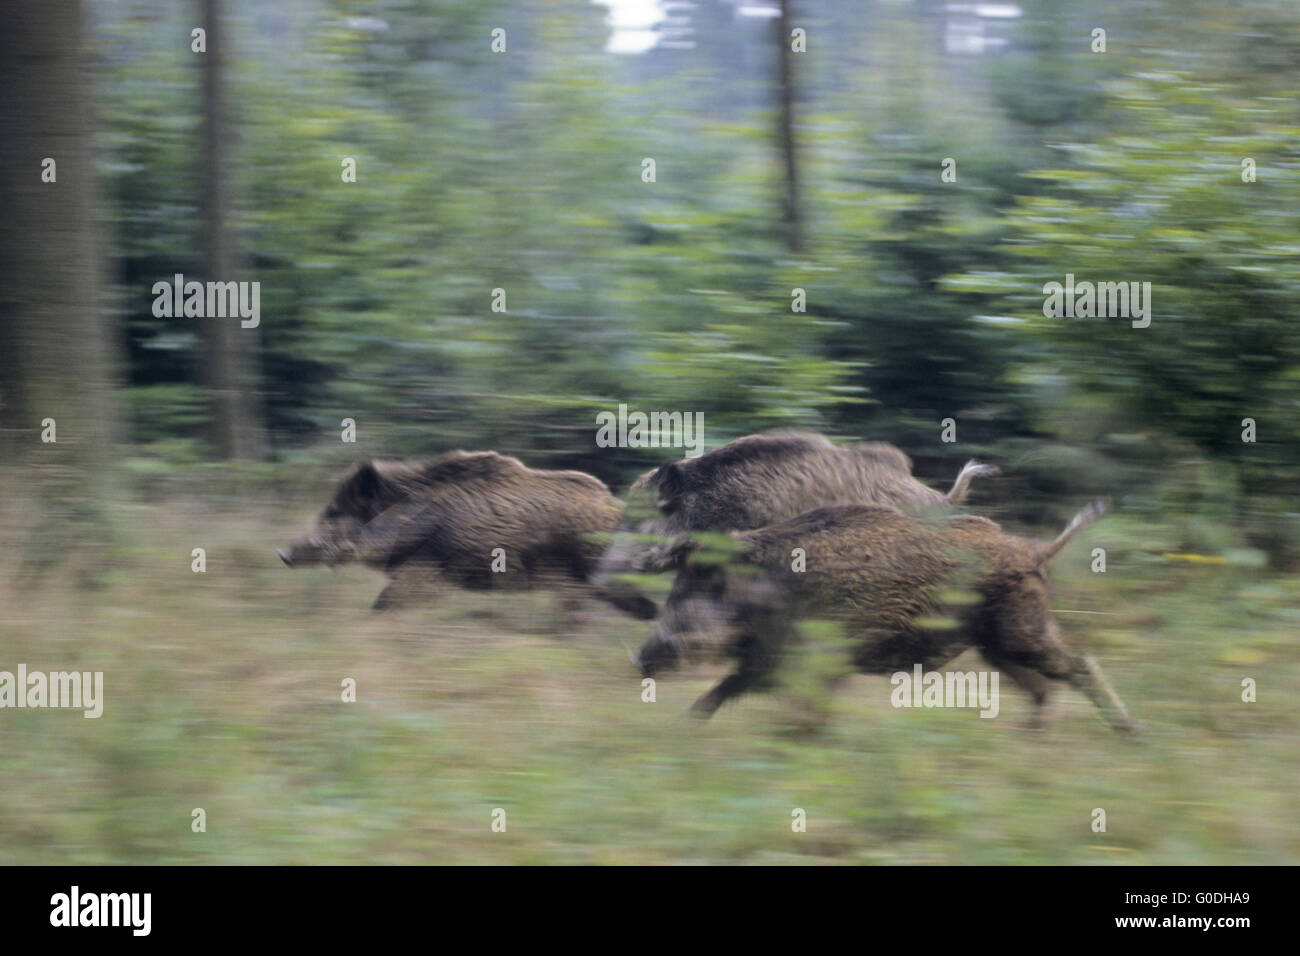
(785, 131)
(229, 350)
(56, 349)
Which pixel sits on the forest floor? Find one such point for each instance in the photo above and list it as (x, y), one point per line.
(223, 692)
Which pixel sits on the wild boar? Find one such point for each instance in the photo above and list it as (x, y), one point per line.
(446, 518)
(889, 577)
(750, 483)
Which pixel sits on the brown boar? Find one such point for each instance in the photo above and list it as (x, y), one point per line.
(753, 482)
(889, 578)
(445, 518)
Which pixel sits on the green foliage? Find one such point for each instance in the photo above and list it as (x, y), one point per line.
(1168, 206)
(522, 172)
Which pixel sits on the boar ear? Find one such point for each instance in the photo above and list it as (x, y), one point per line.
(366, 482)
(1080, 521)
(670, 485)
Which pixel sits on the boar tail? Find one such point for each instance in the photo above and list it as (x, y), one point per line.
(972, 469)
(1080, 521)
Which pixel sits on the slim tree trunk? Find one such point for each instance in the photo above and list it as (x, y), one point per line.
(785, 131)
(230, 351)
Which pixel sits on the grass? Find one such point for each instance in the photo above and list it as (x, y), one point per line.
(223, 691)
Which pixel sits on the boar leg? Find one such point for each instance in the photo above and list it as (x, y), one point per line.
(756, 658)
(1087, 677)
(627, 599)
(1053, 661)
(730, 686)
(411, 584)
(1036, 684)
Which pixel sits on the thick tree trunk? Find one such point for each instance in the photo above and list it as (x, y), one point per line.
(230, 351)
(56, 349)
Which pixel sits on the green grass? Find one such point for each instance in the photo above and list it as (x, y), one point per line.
(223, 692)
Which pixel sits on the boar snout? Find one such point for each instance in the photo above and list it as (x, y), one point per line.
(310, 551)
(660, 652)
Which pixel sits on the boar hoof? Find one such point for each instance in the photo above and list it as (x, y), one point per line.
(285, 558)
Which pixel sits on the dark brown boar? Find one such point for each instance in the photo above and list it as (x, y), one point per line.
(888, 577)
(753, 482)
(442, 519)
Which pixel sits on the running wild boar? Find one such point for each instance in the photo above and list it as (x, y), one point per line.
(446, 518)
(890, 579)
(750, 483)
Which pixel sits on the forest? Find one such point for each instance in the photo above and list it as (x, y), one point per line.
(248, 244)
